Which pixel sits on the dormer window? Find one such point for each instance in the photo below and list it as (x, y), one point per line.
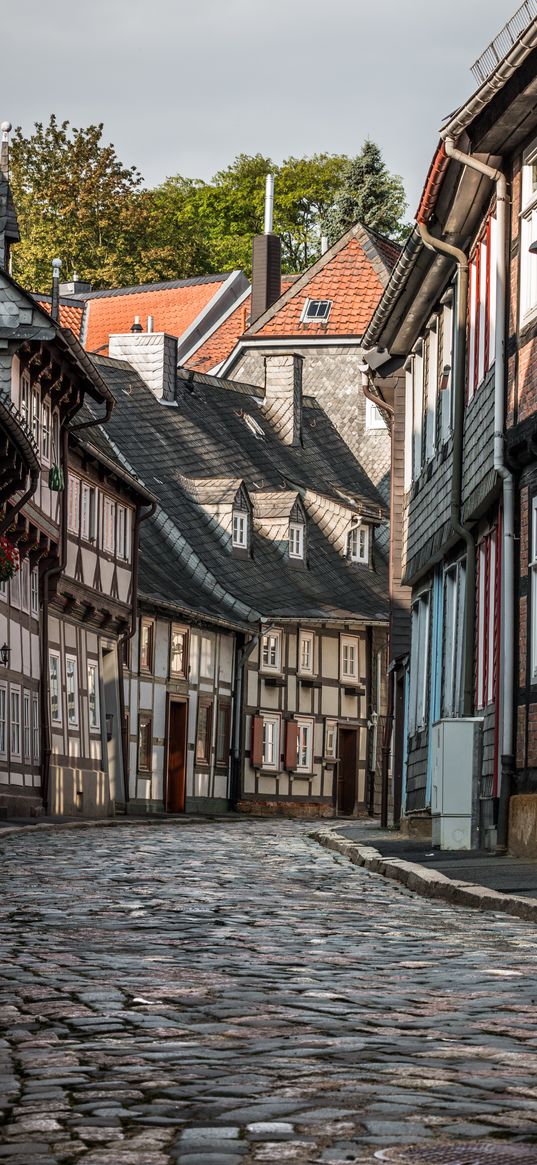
(296, 540)
(316, 311)
(358, 544)
(240, 530)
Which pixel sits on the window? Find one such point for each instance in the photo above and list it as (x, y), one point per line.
(145, 744)
(417, 410)
(419, 663)
(25, 399)
(25, 585)
(93, 696)
(305, 652)
(452, 670)
(55, 681)
(296, 540)
(204, 730)
(109, 525)
(45, 432)
(358, 544)
(34, 591)
(71, 683)
(430, 387)
(88, 525)
(373, 416)
(271, 742)
(55, 437)
(304, 750)
(15, 589)
(223, 731)
(533, 588)
(123, 533)
(15, 700)
(271, 651)
(26, 723)
(36, 410)
(482, 307)
(207, 657)
(317, 310)
(240, 530)
(528, 235)
(3, 720)
(178, 651)
(3, 589)
(330, 740)
(349, 658)
(487, 602)
(445, 348)
(35, 729)
(146, 645)
(73, 504)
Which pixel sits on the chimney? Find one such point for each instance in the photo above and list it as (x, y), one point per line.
(55, 299)
(74, 286)
(9, 229)
(283, 395)
(154, 357)
(266, 261)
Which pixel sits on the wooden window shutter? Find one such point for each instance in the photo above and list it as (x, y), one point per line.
(256, 748)
(291, 744)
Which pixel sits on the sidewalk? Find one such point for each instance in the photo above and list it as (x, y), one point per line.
(468, 878)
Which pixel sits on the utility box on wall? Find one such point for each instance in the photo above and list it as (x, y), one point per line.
(456, 765)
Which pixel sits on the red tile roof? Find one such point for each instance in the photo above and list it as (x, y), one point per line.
(174, 307)
(222, 341)
(70, 315)
(349, 278)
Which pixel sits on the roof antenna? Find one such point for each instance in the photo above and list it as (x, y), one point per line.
(269, 203)
(55, 303)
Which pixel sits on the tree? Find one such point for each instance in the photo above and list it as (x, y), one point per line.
(369, 194)
(75, 200)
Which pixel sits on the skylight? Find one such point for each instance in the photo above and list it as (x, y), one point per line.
(253, 426)
(316, 310)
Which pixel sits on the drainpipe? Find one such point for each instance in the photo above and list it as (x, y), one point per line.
(505, 703)
(461, 259)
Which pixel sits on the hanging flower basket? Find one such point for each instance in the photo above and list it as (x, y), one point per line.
(55, 478)
(9, 560)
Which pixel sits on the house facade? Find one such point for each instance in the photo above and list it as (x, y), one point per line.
(456, 322)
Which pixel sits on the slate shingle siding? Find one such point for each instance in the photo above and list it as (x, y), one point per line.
(416, 778)
(478, 464)
(426, 524)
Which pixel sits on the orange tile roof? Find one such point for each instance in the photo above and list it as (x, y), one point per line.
(173, 307)
(70, 315)
(221, 343)
(349, 280)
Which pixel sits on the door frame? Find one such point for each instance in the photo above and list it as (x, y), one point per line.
(355, 729)
(174, 699)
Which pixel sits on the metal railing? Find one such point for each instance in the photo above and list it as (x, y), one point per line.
(499, 47)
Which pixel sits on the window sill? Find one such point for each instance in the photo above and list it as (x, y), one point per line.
(274, 681)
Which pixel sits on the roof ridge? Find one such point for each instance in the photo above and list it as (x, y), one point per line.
(159, 285)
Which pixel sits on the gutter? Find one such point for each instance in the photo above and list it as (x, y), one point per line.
(505, 703)
(405, 264)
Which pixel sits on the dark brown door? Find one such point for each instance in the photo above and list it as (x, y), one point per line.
(175, 784)
(348, 770)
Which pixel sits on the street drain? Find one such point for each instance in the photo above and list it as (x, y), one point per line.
(467, 1153)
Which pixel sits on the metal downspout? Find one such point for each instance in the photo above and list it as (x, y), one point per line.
(456, 478)
(505, 704)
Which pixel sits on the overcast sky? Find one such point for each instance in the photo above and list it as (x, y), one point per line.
(182, 86)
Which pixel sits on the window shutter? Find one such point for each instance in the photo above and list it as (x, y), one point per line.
(256, 748)
(291, 744)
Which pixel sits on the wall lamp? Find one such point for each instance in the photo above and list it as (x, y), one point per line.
(5, 652)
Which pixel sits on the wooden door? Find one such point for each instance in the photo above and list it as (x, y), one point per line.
(348, 771)
(175, 781)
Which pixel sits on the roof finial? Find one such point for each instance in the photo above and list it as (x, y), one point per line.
(4, 148)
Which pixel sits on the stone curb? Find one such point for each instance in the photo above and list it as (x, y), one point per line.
(430, 883)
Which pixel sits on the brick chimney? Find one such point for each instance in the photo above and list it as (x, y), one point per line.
(283, 395)
(266, 261)
(153, 355)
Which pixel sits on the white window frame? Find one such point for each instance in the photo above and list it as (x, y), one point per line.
(179, 629)
(409, 423)
(271, 652)
(72, 722)
(3, 590)
(36, 416)
(306, 653)
(306, 318)
(73, 504)
(88, 512)
(46, 435)
(15, 734)
(296, 540)
(271, 735)
(417, 411)
(27, 724)
(432, 389)
(528, 235)
(373, 416)
(94, 704)
(25, 585)
(239, 535)
(453, 638)
(304, 744)
(207, 657)
(25, 400)
(34, 591)
(36, 741)
(55, 676)
(109, 525)
(419, 662)
(4, 720)
(123, 533)
(358, 543)
(446, 396)
(486, 619)
(349, 649)
(330, 739)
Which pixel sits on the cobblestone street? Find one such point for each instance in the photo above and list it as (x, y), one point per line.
(226, 993)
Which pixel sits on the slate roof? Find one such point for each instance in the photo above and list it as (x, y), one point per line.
(174, 305)
(218, 345)
(196, 438)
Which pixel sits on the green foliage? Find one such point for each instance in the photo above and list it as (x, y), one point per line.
(76, 200)
(371, 195)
